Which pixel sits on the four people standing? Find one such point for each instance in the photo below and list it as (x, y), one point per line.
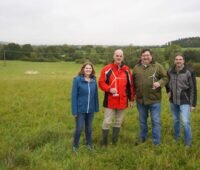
(182, 92)
(119, 86)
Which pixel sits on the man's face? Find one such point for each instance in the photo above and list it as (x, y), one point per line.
(179, 61)
(118, 57)
(146, 57)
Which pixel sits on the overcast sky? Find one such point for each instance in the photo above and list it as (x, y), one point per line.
(104, 22)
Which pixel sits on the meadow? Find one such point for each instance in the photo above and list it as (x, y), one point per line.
(36, 126)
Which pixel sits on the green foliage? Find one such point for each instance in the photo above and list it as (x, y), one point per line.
(195, 67)
(132, 55)
(192, 55)
(94, 54)
(171, 51)
(187, 42)
(158, 55)
(27, 50)
(13, 51)
(36, 126)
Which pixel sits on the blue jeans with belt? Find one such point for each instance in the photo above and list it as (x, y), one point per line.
(154, 110)
(182, 111)
(81, 120)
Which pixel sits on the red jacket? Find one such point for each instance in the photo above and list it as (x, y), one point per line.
(119, 78)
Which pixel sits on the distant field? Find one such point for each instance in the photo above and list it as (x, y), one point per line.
(36, 126)
(191, 49)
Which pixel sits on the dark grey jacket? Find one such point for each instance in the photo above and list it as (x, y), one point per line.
(182, 86)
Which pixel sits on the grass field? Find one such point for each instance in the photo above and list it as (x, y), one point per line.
(36, 126)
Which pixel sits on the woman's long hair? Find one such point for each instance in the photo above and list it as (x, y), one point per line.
(81, 72)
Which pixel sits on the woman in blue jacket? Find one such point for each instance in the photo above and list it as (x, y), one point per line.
(84, 103)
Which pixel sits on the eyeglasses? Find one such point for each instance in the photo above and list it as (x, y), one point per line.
(118, 55)
(146, 55)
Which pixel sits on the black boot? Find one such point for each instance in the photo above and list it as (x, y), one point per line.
(115, 135)
(104, 141)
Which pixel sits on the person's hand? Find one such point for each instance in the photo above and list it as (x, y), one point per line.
(113, 90)
(192, 108)
(156, 85)
(75, 116)
(131, 104)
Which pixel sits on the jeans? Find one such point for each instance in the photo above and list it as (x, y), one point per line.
(155, 120)
(183, 111)
(81, 119)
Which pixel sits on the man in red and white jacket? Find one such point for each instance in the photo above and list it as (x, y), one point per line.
(116, 81)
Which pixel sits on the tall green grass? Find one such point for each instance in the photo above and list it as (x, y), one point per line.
(36, 126)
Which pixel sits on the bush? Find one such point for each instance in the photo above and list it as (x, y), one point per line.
(196, 67)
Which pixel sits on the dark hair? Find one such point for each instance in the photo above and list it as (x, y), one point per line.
(81, 72)
(146, 49)
(143, 51)
(180, 54)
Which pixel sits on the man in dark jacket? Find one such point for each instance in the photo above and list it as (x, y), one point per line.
(182, 92)
(148, 77)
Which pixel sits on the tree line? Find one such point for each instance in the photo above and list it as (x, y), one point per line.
(97, 54)
(192, 42)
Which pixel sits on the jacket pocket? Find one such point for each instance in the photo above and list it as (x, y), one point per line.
(185, 96)
(155, 94)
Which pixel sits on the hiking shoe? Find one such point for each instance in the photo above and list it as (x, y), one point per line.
(90, 147)
(139, 141)
(188, 146)
(75, 150)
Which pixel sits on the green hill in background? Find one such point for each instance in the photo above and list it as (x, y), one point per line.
(187, 42)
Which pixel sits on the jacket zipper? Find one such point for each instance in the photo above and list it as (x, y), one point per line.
(88, 98)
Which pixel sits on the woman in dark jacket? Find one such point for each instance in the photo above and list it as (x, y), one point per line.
(84, 103)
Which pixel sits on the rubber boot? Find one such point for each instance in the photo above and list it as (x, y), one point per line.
(104, 141)
(115, 135)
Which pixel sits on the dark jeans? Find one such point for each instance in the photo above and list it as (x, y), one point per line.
(81, 119)
(155, 120)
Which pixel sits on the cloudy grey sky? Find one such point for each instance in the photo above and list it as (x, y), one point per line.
(137, 22)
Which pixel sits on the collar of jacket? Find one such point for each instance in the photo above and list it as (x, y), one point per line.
(152, 62)
(116, 65)
(92, 79)
(181, 71)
